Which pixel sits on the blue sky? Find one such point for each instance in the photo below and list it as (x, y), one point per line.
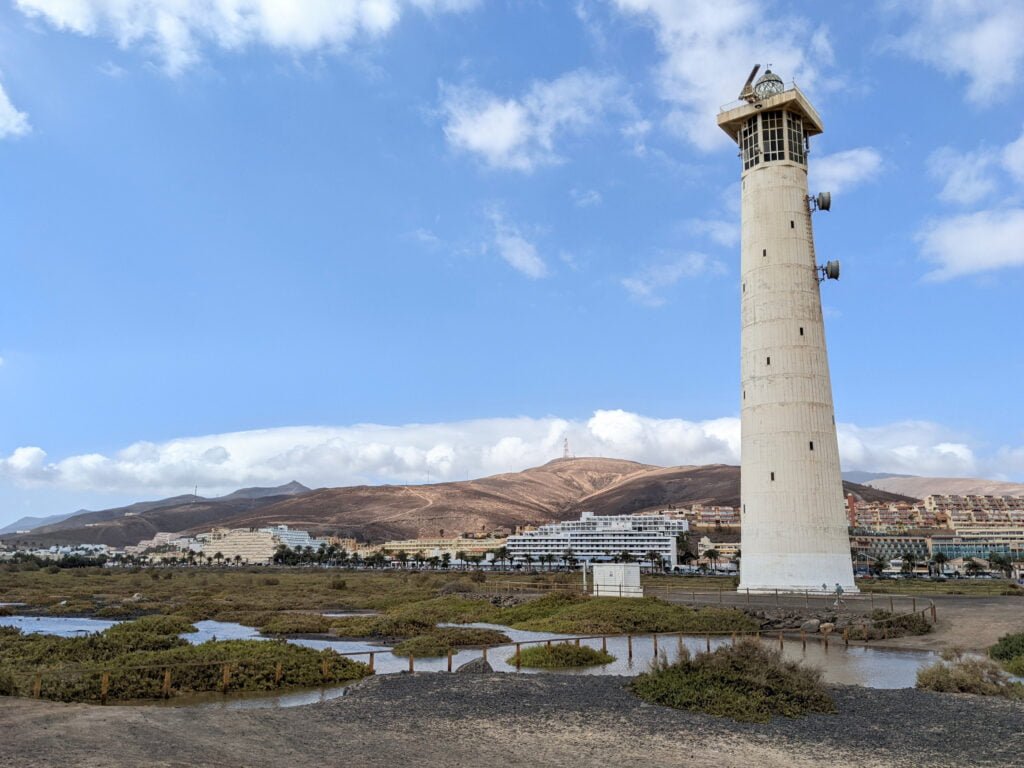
(401, 240)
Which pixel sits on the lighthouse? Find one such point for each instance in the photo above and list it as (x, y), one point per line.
(794, 534)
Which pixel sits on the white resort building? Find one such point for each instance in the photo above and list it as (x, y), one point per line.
(602, 538)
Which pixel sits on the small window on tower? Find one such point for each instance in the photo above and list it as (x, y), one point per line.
(773, 477)
(769, 360)
(812, 445)
(801, 331)
(792, 224)
(764, 251)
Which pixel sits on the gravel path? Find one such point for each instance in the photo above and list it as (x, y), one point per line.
(514, 720)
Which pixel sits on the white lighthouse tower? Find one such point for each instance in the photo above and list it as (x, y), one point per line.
(794, 534)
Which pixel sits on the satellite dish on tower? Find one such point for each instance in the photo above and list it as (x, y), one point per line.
(824, 201)
(831, 270)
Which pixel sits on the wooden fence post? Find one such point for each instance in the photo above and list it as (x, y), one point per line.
(803, 639)
(629, 646)
(104, 687)
(604, 644)
(37, 686)
(412, 663)
(934, 618)
(372, 654)
(279, 673)
(780, 640)
(225, 678)
(485, 653)
(166, 690)
(519, 661)
(450, 657)
(913, 604)
(891, 609)
(846, 636)
(655, 636)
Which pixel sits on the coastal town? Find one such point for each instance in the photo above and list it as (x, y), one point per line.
(942, 535)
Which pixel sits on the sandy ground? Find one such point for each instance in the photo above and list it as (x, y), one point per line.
(512, 720)
(971, 623)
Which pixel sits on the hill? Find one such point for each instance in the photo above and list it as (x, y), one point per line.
(919, 487)
(558, 490)
(129, 525)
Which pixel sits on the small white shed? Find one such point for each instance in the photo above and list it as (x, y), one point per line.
(617, 580)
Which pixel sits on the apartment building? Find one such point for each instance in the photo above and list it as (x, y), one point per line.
(601, 538)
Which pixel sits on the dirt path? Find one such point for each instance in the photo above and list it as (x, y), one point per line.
(511, 720)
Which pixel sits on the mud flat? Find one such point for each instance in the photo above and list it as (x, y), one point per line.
(510, 720)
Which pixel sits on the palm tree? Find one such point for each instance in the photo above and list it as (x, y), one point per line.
(528, 559)
(940, 560)
(624, 557)
(909, 561)
(402, 557)
(712, 555)
(218, 557)
(548, 558)
(446, 560)
(501, 555)
(237, 559)
(461, 557)
(971, 568)
(569, 558)
(654, 558)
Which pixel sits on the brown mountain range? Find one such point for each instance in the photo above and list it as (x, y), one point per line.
(558, 490)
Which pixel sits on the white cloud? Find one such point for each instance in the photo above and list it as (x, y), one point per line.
(842, 171)
(373, 453)
(911, 447)
(976, 39)
(12, 122)
(636, 133)
(966, 177)
(647, 285)
(585, 198)
(973, 243)
(725, 233)
(709, 47)
(515, 249)
(520, 133)
(1013, 158)
(177, 29)
(1, 362)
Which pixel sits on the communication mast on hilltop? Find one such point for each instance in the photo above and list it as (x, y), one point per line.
(565, 449)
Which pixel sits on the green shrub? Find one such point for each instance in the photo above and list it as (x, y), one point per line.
(1008, 647)
(745, 682)
(296, 624)
(478, 577)
(8, 684)
(270, 581)
(886, 625)
(1015, 666)
(613, 615)
(338, 584)
(561, 656)
(958, 674)
(455, 587)
(421, 647)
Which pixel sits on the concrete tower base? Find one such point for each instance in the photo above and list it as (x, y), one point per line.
(798, 573)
